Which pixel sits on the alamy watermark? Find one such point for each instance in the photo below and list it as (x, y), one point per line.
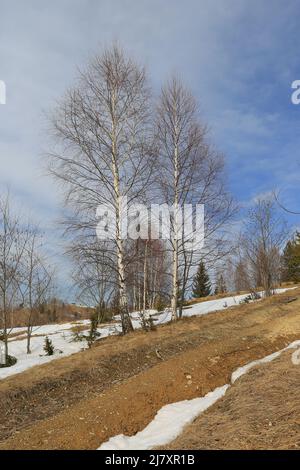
(2, 92)
(159, 221)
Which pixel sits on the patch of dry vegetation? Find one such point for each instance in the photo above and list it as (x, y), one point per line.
(261, 411)
(83, 399)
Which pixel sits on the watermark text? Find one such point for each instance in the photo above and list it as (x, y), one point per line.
(2, 92)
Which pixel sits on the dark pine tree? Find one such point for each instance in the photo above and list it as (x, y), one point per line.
(48, 347)
(291, 260)
(201, 283)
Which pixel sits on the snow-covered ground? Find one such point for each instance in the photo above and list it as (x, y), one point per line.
(171, 419)
(61, 337)
(61, 334)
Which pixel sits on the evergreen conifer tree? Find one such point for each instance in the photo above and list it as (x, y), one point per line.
(48, 347)
(201, 283)
(291, 260)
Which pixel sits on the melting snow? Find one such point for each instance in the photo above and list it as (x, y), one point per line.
(167, 424)
(61, 334)
(243, 370)
(171, 419)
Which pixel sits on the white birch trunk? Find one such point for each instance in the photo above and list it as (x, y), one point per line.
(175, 239)
(123, 302)
(145, 278)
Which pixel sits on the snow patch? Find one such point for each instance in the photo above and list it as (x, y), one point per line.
(243, 370)
(61, 334)
(171, 419)
(167, 424)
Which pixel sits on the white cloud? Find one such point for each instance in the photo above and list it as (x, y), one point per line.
(233, 54)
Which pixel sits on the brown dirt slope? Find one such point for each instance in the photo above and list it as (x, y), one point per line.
(261, 411)
(117, 387)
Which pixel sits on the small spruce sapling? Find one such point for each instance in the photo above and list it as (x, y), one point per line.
(93, 333)
(48, 347)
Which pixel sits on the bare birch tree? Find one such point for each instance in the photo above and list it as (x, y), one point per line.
(264, 234)
(102, 126)
(149, 275)
(190, 172)
(35, 280)
(95, 281)
(12, 245)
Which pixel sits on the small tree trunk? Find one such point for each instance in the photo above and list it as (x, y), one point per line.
(182, 297)
(28, 340)
(5, 337)
(175, 285)
(124, 312)
(145, 278)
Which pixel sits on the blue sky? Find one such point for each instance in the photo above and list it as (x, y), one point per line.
(239, 57)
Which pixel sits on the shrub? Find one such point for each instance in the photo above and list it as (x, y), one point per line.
(105, 315)
(147, 323)
(246, 300)
(77, 335)
(93, 333)
(48, 347)
(160, 304)
(256, 296)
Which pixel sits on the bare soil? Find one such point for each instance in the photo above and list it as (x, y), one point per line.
(118, 386)
(261, 411)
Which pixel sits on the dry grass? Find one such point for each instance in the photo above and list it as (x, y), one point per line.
(226, 294)
(83, 399)
(64, 313)
(261, 411)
